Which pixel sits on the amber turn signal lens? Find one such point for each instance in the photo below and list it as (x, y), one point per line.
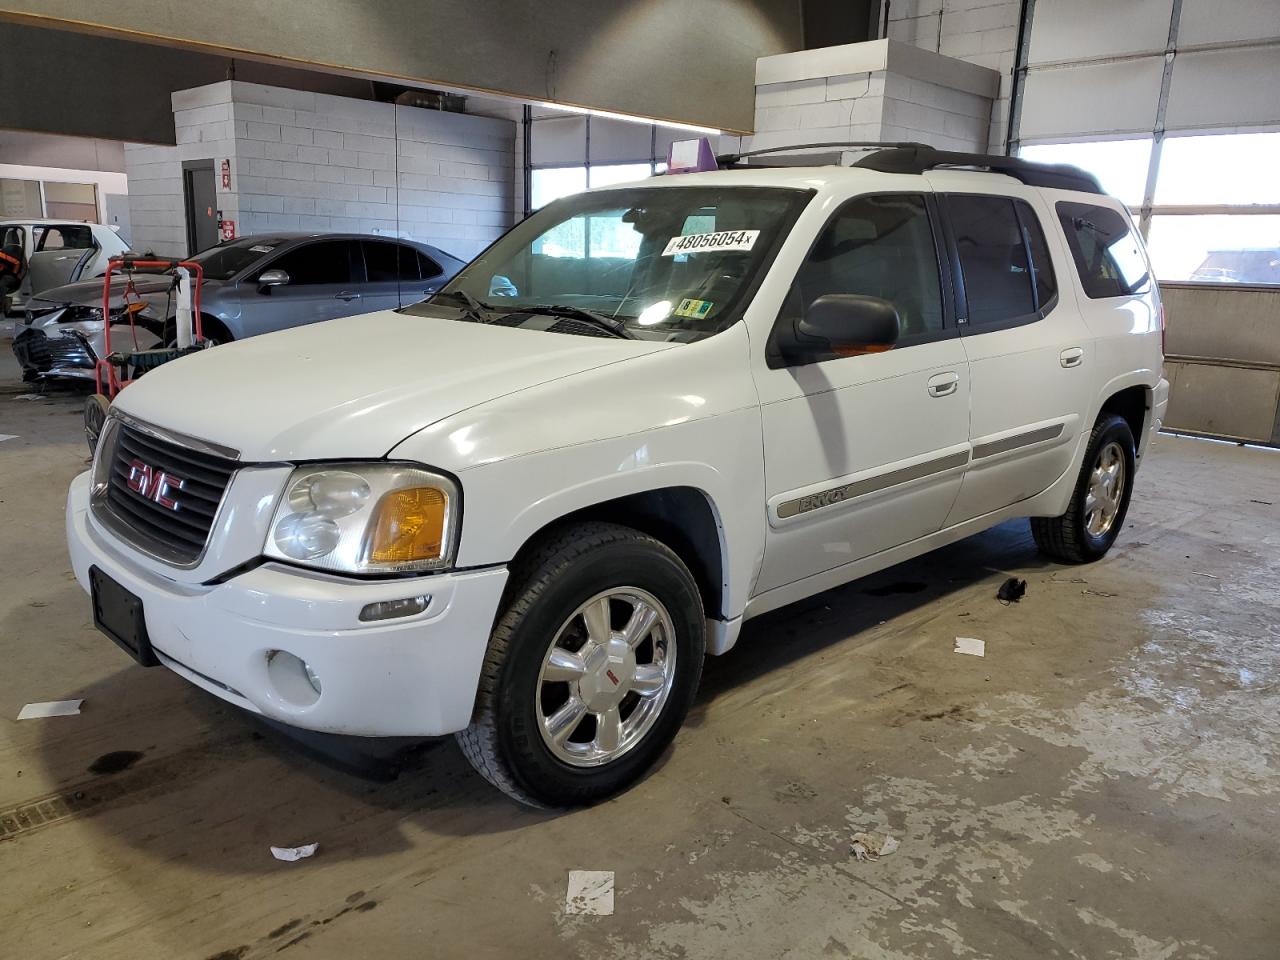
(409, 526)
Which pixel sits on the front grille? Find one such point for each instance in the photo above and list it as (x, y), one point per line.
(197, 480)
(69, 350)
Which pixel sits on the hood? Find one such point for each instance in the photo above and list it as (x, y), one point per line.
(356, 387)
(88, 293)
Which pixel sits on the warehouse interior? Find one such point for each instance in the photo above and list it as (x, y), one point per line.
(1103, 782)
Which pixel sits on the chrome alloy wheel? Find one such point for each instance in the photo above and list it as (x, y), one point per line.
(1106, 490)
(606, 677)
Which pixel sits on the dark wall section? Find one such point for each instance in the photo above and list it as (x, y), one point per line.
(94, 86)
(669, 59)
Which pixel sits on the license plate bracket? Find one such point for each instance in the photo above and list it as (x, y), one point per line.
(118, 613)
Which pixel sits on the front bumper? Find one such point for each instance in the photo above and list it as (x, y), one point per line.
(415, 676)
(1159, 409)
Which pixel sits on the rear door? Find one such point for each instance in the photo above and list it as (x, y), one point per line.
(1030, 353)
(61, 251)
(325, 280)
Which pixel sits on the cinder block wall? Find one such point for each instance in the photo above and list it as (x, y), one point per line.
(313, 162)
(984, 32)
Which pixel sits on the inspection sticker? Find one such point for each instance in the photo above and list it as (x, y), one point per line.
(697, 309)
(712, 242)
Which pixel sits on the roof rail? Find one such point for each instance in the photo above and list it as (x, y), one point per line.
(728, 159)
(918, 158)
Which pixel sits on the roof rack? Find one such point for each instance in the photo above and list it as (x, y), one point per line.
(728, 159)
(917, 158)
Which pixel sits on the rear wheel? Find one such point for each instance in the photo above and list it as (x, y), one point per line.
(590, 669)
(1100, 499)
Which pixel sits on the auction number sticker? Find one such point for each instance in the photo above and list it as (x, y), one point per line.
(712, 242)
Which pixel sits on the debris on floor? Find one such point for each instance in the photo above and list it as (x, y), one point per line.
(973, 647)
(873, 846)
(294, 853)
(29, 396)
(1099, 593)
(50, 708)
(8, 436)
(1265, 503)
(1011, 591)
(590, 892)
(1197, 573)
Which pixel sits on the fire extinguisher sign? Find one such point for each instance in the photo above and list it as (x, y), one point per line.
(225, 180)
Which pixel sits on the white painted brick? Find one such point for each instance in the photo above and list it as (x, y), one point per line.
(317, 155)
(829, 114)
(343, 158)
(374, 161)
(383, 178)
(791, 94)
(326, 138)
(359, 176)
(280, 151)
(300, 205)
(366, 144)
(255, 130)
(246, 111)
(314, 223)
(299, 135)
(262, 204)
(775, 118)
(201, 96)
(299, 171)
(960, 45)
(250, 148)
(917, 31)
(329, 174)
(373, 194)
(265, 168)
(278, 115)
(206, 114)
(982, 18)
(272, 96)
(853, 85)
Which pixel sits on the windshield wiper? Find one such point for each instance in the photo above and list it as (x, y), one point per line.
(597, 320)
(473, 309)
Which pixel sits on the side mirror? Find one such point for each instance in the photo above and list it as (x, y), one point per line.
(847, 324)
(272, 278)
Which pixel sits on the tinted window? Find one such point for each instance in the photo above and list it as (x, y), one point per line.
(878, 246)
(1107, 254)
(329, 261)
(1045, 283)
(993, 258)
(390, 262)
(430, 269)
(227, 259)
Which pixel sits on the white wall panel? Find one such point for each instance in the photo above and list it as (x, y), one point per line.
(616, 141)
(559, 140)
(1103, 98)
(1084, 29)
(1215, 21)
(1225, 88)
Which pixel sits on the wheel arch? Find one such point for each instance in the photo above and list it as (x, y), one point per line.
(682, 517)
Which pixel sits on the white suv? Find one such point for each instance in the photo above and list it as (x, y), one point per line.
(523, 511)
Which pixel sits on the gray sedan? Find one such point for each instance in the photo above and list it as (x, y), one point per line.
(252, 285)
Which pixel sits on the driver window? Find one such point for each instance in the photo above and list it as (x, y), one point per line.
(880, 246)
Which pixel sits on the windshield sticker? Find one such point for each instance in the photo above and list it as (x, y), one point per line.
(711, 242)
(697, 309)
(261, 249)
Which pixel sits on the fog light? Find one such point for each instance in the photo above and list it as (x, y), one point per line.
(391, 609)
(292, 678)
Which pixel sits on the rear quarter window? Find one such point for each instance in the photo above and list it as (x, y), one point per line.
(1107, 253)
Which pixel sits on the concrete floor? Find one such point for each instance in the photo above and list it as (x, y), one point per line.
(1103, 784)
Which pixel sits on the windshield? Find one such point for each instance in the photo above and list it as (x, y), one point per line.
(668, 263)
(227, 259)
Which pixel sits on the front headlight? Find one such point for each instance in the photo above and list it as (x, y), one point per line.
(366, 518)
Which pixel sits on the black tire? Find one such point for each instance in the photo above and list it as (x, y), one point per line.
(505, 741)
(96, 407)
(1067, 538)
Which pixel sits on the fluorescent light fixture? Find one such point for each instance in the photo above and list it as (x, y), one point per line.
(608, 115)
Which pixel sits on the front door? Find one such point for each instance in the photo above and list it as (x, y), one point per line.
(863, 453)
(326, 278)
(1030, 352)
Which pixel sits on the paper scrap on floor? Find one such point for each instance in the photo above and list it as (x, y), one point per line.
(50, 708)
(873, 846)
(294, 853)
(590, 892)
(8, 436)
(971, 646)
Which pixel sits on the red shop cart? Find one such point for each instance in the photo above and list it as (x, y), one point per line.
(116, 369)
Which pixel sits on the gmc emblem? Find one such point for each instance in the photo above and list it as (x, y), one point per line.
(155, 485)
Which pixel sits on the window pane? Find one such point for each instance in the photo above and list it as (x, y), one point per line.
(1120, 165)
(878, 246)
(1235, 168)
(997, 281)
(316, 263)
(1042, 266)
(389, 262)
(605, 176)
(1216, 249)
(20, 198)
(1107, 253)
(555, 183)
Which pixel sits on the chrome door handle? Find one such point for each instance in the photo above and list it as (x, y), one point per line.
(1072, 357)
(348, 296)
(944, 384)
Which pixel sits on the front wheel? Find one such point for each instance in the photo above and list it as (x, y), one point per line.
(591, 667)
(1100, 499)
